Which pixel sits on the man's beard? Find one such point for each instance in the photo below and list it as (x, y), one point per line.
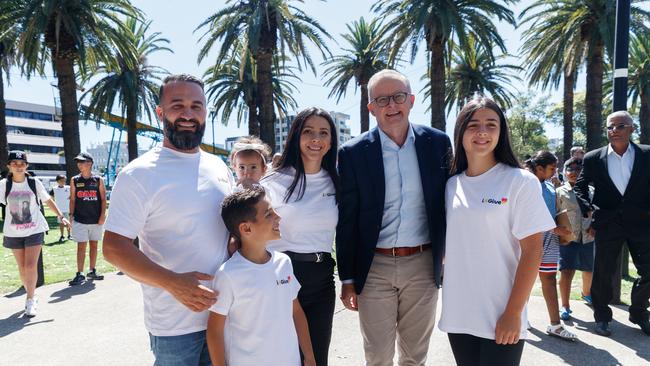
(184, 140)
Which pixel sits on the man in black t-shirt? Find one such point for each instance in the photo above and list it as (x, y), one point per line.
(87, 213)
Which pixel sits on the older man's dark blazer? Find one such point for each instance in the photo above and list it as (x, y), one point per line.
(361, 208)
(632, 209)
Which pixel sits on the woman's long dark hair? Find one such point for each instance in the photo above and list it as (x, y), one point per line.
(502, 152)
(291, 155)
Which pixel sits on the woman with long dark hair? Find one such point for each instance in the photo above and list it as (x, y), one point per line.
(304, 192)
(495, 220)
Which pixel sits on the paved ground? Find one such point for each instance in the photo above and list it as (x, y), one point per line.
(101, 324)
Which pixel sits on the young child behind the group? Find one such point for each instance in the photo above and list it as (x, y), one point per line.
(61, 195)
(257, 292)
(249, 160)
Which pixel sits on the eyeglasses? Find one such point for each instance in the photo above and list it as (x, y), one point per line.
(398, 98)
(618, 127)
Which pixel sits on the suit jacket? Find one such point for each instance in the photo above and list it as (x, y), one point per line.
(632, 209)
(361, 207)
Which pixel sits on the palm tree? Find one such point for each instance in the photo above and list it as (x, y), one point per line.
(230, 89)
(475, 71)
(436, 22)
(7, 61)
(639, 81)
(593, 22)
(72, 34)
(130, 80)
(365, 56)
(267, 27)
(546, 68)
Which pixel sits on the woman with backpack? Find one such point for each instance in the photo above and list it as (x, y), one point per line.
(25, 225)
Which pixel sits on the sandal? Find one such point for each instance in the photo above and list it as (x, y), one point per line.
(586, 299)
(565, 313)
(559, 331)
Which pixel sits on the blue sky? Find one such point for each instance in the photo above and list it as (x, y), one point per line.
(177, 21)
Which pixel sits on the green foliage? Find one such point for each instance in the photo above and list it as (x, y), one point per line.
(365, 55)
(130, 81)
(526, 120)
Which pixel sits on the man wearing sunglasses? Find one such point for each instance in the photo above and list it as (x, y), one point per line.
(390, 235)
(620, 175)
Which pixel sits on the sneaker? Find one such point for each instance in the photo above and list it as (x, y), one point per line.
(92, 275)
(30, 307)
(559, 331)
(61, 239)
(69, 237)
(565, 313)
(77, 280)
(602, 328)
(586, 299)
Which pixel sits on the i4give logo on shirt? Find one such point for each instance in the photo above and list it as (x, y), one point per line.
(283, 281)
(495, 201)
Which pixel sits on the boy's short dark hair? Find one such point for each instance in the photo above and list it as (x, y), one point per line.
(59, 177)
(240, 207)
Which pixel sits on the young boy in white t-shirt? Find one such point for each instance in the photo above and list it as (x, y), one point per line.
(61, 195)
(257, 319)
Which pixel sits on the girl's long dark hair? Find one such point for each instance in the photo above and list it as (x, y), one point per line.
(542, 158)
(502, 152)
(291, 155)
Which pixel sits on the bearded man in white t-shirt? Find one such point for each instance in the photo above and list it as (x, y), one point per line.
(169, 198)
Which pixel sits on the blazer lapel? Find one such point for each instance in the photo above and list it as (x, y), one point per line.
(608, 179)
(425, 159)
(375, 167)
(636, 168)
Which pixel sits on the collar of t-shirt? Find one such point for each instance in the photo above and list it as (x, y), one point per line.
(184, 155)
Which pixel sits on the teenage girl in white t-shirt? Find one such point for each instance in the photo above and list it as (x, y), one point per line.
(304, 192)
(495, 220)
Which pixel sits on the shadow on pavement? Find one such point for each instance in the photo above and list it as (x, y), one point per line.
(68, 292)
(18, 292)
(16, 322)
(572, 353)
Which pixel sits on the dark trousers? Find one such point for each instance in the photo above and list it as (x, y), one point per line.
(317, 296)
(470, 350)
(609, 243)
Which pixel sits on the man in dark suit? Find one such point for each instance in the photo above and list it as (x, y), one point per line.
(620, 174)
(390, 236)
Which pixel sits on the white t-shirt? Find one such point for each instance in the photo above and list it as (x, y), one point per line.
(307, 225)
(62, 198)
(487, 215)
(171, 201)
(257, 300)
(23, 215)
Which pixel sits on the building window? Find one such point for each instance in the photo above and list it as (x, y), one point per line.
(34, 131)
(36, 148)
(29, 115)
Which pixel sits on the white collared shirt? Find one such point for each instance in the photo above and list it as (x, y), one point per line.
(620, 167)
(404, 221)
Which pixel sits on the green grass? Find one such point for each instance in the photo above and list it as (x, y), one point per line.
(59, 259)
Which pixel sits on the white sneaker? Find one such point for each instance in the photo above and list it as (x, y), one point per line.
(30, 307)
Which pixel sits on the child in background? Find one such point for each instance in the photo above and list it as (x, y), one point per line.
(257, 292)
(579, 253)
(543, 165)
(248, 159)
(61, 195)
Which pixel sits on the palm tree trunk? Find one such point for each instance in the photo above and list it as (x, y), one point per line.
(594, 97)
(64, 67)
(4, 145)
(644, 118)
(437, 76)
(264, 59)
(364, 114)
(567, 113)
(131, 132)
(253, 123)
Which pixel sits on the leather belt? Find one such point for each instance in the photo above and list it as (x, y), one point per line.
(403, 251)
(317, 257)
